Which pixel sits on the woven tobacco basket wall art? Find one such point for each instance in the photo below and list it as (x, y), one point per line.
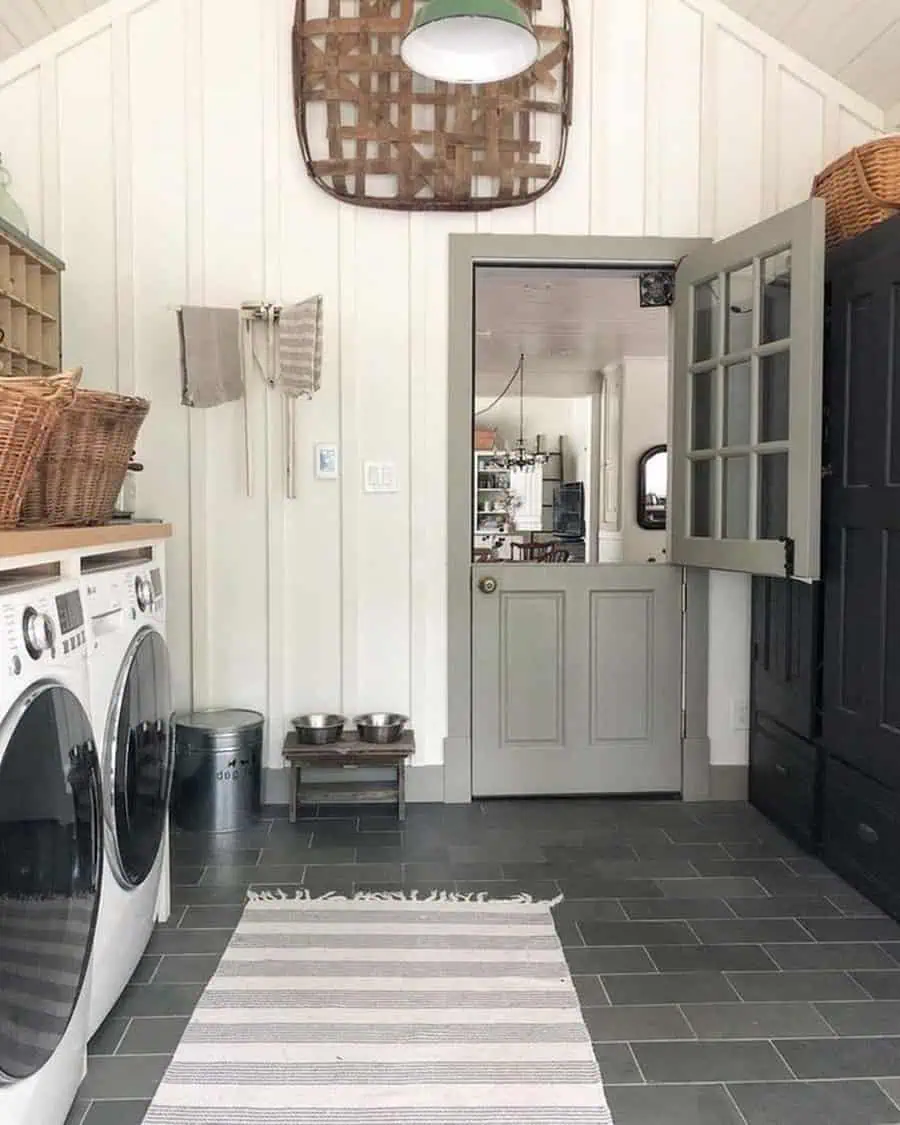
(374, 134)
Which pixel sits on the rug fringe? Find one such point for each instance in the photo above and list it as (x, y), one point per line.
(301, 894)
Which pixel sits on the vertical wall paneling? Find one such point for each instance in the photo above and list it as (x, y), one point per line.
(275, 100)
(428, 488)
(311, 564)
(567, 208)
(852, 130)
(124, 230)
(801, 127)
(49, 134)
(20, 104)
(153, 146)
(158, 175)
(351, 469)
(233, 248)
(708, 125)
(674, 93)
(739, 133)
(619, 118)
(193, 221)
(771, 148)
(87, 193)
(382, 286)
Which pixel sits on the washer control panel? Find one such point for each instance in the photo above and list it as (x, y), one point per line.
(45, 625)
(116, 598)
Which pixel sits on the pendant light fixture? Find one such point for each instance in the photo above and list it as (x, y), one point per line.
(520, 456)
(470, 41)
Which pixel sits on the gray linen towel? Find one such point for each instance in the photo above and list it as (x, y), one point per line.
(210, 356)
(300, 348)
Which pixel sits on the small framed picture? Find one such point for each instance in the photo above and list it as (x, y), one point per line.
(326, 462)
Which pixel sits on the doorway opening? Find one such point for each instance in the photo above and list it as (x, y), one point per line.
(576, 619)
(570, 393)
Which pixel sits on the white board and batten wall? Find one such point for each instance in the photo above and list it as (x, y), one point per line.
(152, 144)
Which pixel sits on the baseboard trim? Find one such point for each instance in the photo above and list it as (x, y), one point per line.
(695, 779)
(729, 783)
(457, 770)
(424, 784)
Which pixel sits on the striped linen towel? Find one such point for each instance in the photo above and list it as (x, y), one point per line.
(300, 348)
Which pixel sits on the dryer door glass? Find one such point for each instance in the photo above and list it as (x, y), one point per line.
(50, 862)
(143, 757)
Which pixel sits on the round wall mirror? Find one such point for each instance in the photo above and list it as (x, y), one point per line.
(653, 486)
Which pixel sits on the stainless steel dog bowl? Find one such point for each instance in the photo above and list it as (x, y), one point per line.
(318, 730)
(380, 727)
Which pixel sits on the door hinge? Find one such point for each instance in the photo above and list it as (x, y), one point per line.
(788, 543)
(684, 724)
(684, 600)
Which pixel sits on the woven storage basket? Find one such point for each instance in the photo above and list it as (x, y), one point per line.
(29, 411)
(77, 480)
(860, 189)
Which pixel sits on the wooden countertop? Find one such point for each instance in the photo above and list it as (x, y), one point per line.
(46, 540)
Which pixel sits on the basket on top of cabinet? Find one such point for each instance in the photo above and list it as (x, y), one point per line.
(860, 189)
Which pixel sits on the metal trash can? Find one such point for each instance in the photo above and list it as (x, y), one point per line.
(218, 767)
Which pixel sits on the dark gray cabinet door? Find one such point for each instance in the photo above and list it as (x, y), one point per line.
(861, 681)
(785, 653)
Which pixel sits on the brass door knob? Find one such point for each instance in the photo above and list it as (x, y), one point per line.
(488, 585)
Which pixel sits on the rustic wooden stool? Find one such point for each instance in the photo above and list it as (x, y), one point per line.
(351, 753)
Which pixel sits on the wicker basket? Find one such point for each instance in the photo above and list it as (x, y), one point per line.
(76, 482)
(860, 189)
(29, 411)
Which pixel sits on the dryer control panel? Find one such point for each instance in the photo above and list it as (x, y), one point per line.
(44, 625)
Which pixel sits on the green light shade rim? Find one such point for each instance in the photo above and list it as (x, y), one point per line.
(507, 11)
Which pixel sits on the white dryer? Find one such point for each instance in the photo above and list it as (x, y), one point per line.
(51, 840)
(131, 706)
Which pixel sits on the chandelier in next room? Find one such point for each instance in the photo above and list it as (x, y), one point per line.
(520, 456)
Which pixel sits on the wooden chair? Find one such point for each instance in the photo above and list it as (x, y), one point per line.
(484, 555)
(539, 552)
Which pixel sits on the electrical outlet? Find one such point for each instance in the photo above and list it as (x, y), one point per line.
(740, 714)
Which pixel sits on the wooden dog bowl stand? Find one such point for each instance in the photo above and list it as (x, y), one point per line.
(351, 753)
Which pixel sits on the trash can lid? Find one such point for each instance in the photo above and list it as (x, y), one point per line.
(219, 721)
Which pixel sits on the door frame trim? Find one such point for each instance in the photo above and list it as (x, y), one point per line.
(467, 251)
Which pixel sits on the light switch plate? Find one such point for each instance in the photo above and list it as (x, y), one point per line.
(379, 476)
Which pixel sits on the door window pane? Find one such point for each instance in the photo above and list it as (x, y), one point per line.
(736, 498)
(740, 310)
(701, 499)
(702, 410)
(706, 321)
(776, 297)
(775, 397)
(737, 404)
(773, 496)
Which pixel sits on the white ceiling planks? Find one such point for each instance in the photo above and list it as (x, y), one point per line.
(855, 41)
(566, 321)
(23, 22)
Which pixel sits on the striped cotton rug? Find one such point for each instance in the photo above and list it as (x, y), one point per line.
(389, 1010)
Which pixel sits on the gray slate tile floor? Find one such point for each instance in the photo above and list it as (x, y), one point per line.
(725, 977)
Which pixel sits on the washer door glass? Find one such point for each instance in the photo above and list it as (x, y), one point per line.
(51, 833)
(142, 757)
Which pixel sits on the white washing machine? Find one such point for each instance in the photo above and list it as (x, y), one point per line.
(51, 841)
(131, 706)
